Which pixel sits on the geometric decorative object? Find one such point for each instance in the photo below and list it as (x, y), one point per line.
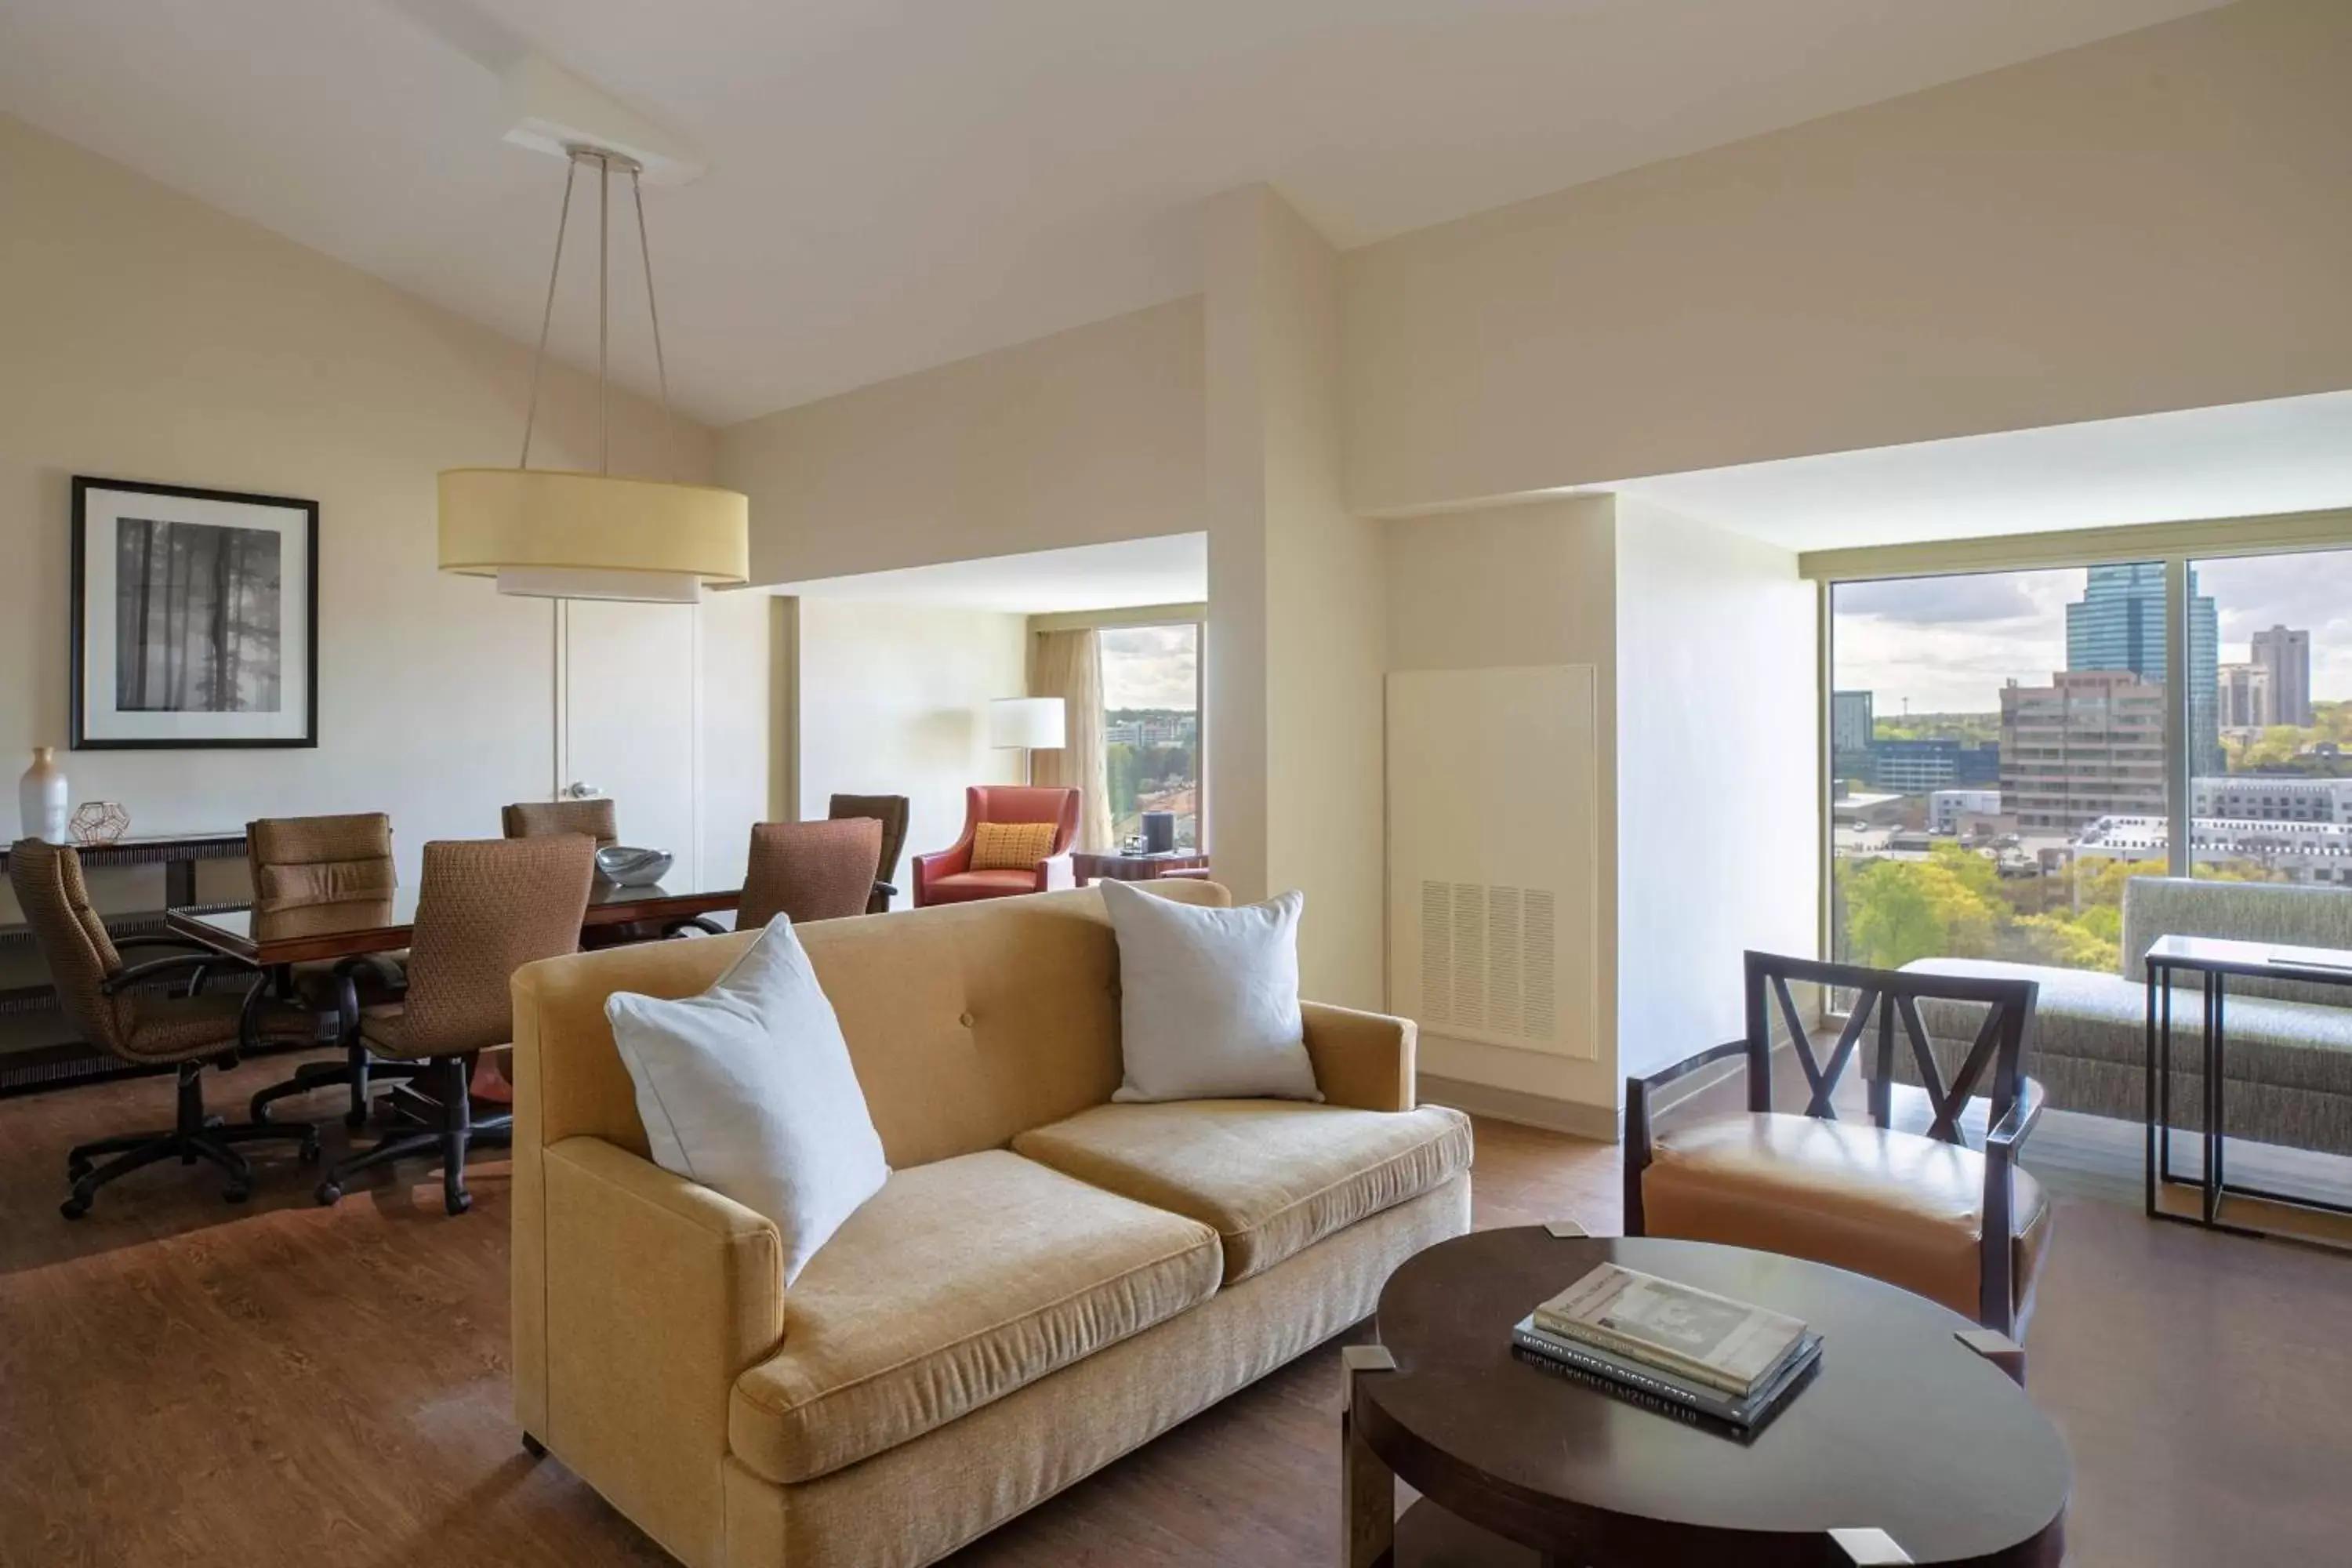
(557, 534)
(96, 823)
(100, 821)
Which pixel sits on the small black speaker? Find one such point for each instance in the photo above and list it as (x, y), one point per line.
(1159, 832)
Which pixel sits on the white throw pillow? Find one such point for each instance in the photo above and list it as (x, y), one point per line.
(1209, 999)
(747, 1090)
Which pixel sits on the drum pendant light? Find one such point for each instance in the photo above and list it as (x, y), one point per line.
(556, 534)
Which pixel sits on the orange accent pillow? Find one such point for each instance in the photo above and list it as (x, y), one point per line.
(1011, 846)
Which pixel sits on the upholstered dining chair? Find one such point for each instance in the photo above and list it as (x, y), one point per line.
(300, 862)
(595, 817)
(1960, 1225)
(115, 1006)
(809, 870)
(990, 862)
(890, 810)
(484, 909)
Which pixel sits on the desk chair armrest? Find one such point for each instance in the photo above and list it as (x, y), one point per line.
(347, 992)
(885, 890)
(1364, 1060)
(1638, 1093)
(701, 925)
(199, 966)
(657, 1294)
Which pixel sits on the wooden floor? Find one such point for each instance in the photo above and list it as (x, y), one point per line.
(183, 1382)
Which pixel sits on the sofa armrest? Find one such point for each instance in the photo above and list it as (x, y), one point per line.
(1361, 1059)
(659, 1294)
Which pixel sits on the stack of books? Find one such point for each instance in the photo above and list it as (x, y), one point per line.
(1691, 1349)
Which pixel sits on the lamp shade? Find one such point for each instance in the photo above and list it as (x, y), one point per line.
(1034, 723)
(551, 534)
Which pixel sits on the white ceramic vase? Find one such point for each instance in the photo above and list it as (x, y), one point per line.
(41, 797)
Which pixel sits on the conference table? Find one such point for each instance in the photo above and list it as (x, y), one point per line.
(307, 933)
(268, 937)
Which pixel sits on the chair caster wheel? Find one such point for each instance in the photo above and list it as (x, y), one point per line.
(257, 1112)
(216, 1122)
(235, 1195)
(308, 1153)
(74, 1207)
(457, 1203)
(328, 1194)
(533, 1447)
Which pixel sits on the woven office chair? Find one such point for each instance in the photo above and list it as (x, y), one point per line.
(116, 1009)
(809, 870)
(596, 817)
(484, 909)
(301, 862)
(890, 810)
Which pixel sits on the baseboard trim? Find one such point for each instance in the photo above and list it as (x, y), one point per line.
(1599, 1124)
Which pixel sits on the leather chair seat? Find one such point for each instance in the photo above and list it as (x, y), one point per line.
(965, 886)
(1897, 1207)
(958, 1282)
(1272, 1177)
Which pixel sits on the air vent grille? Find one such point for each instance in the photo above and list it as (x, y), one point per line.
(1486, 959)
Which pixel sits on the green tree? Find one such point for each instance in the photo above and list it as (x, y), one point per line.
(1897, 911)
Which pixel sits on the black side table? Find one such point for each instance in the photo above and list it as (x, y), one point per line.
(2213, 1200)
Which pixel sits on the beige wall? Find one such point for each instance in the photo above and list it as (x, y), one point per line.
(1085, 437)
(2161, 220)
(894, 700)
(1297, 616)
(1718, 774)
(146, 336)
(1529, 585)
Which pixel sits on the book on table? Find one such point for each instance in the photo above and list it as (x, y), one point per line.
(1730, 1358)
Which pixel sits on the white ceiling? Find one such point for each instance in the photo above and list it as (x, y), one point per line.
(895, 185)
(1170, 569)
(2294, 454)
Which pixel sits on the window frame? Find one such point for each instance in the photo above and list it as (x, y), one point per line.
(2175, 546)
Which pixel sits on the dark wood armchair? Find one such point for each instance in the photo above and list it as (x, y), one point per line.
(1921, 1209)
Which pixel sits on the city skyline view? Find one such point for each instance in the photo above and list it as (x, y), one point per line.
(1949, 644)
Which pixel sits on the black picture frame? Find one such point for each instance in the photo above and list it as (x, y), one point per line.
(78, 653)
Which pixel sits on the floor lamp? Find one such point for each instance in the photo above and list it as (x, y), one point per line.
(1033, 724)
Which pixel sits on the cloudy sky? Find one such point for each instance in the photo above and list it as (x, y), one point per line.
(1149, 666)
(1947, 644)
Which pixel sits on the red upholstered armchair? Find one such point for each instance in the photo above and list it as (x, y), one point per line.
(947, 878)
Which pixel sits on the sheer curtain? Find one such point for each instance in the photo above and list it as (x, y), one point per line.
(1068, 665)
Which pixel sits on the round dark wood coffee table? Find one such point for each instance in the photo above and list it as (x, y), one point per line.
(1902, 1428)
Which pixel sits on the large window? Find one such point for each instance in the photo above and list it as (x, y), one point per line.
(2272, 796)
(1998, 746)
(1152, 727)
(2007, 748)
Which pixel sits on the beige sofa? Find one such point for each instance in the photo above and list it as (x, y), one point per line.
(1045, 1281)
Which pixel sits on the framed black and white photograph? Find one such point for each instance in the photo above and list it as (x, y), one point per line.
(195, 618)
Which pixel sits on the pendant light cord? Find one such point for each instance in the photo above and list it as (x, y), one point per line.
(539, 360)
(653, 310)
(604, 310)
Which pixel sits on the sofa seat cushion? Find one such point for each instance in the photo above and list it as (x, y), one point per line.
(1272, 1177)
(1895, 1206)
(964, 886)
(957, 1283)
